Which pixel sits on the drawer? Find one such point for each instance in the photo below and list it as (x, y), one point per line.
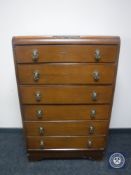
(65, 53)
(66, 128)
(70, 142)
(66, 73)
(65, 112)
(58, 94)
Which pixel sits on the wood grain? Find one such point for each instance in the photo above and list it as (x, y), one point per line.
(66, 128)
(65, 112)
(65, 94)
(66, 53)
(74, 142)
(66, 73)
(33, 40)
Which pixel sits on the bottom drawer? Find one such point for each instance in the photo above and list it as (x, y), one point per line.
(68, 142)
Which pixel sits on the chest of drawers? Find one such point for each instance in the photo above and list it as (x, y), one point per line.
(66, 86)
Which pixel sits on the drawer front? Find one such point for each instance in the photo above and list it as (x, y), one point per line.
(65, 112)
(66, 73)
(70, 142)
(66, 53)
(69, 128)
(65, 94)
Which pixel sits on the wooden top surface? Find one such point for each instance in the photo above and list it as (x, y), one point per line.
(67, 39)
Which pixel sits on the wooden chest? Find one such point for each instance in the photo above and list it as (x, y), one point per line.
(66, 86)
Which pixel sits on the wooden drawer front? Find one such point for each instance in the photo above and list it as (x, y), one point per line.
(65, 112)
(69, 128)
(66, 142)
(66, 73)
(66, 53)
(65, 94)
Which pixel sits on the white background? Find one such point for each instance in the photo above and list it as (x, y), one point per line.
(61, 17)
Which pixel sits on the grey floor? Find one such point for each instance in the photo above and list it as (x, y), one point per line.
(13, 159)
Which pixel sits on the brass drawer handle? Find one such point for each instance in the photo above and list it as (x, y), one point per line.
(94, 96)
(89, 144)
(36, 75)
(96, 75)
(39, 113)
(38, 96)
(35, 55)
(41, 144)
(91, 129)
(93, 114)
(41, 130)
(97, 55)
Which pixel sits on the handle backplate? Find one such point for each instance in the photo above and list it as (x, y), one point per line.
(35, 55)
(97, 55)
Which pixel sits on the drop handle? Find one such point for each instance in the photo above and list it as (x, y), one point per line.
(96, 75)
(41, 144)
(39, 113)
(41, 130)
(89, 144)
(36, 75)
(94, 96)
(93, 114)
(35, 55)
(38, 96)
(97, 55)
(91, 129)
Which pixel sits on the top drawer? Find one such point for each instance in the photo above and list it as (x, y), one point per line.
(65, 53)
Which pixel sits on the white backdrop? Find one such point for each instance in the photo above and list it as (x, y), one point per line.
(61, 17)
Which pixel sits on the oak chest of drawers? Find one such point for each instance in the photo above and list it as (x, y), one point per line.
(66, 86)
